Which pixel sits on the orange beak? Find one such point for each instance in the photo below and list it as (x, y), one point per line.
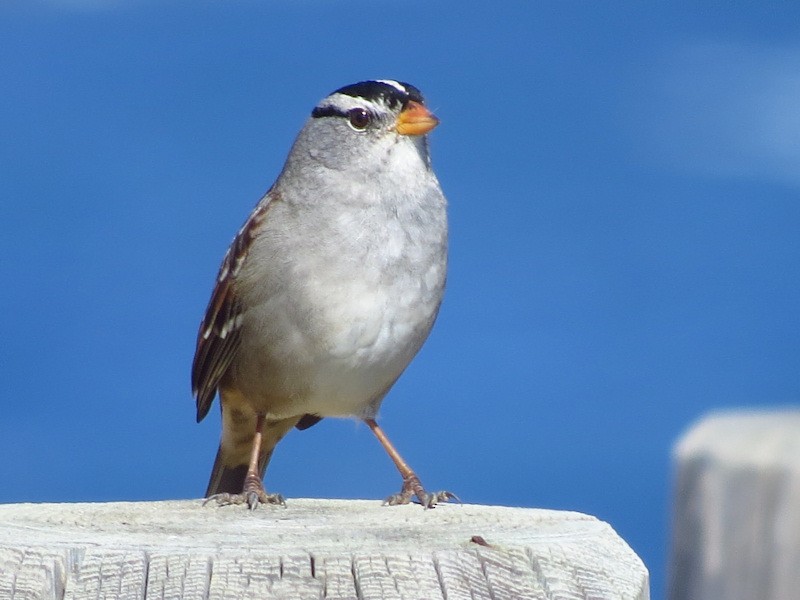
(415, 120)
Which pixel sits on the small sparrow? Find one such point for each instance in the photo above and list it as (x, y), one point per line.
(329, 289)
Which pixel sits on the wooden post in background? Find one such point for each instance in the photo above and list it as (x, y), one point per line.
(736, 522)
(354, 550)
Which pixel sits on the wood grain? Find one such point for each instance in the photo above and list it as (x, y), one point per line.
(332, 549)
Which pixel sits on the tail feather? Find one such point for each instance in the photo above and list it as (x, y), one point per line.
(230, 465)
(230, 479)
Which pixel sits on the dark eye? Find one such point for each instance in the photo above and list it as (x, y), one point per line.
(359, 118)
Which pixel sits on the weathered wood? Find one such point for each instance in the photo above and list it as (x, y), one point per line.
(353, 550)
(736, 523)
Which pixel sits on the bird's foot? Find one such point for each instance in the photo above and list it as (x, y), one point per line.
(252, 494)
(413, 487)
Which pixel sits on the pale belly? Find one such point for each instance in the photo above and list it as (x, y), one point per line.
(337, 357)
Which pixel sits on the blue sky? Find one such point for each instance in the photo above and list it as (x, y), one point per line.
(624, 186)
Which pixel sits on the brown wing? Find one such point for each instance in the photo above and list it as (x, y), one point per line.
(218, 337)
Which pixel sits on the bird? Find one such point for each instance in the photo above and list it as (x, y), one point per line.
(328, 290)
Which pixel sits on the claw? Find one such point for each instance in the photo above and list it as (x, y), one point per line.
(252, 499)
(253, 494)
(412, 487)
(397, 500)
(223, 499)
(432, 500)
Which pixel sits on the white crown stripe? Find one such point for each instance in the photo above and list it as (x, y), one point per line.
(394, 84)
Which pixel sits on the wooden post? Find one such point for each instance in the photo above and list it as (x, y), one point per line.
(354, 549)
(736, 529)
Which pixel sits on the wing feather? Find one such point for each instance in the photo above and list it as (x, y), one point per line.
(218, 336)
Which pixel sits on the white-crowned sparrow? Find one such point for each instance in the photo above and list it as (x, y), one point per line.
(329, 289)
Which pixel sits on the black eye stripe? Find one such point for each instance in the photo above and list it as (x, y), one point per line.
(332, 111)
(327, 111)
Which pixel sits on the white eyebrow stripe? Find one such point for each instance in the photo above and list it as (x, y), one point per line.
(394, 84)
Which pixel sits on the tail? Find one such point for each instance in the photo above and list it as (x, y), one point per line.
(235, 448)
(230, 479)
